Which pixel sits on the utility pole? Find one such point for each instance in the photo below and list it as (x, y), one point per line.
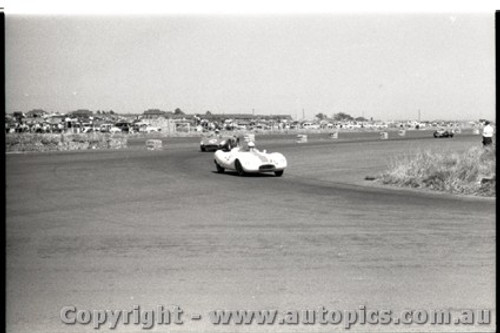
(418, 115)
(303, 114)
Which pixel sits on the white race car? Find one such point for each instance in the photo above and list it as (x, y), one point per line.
(248, 159)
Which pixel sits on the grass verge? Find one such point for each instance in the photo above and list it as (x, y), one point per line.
(24, 142)
(472, 172)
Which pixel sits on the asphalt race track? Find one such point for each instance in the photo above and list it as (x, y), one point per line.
(114, 229)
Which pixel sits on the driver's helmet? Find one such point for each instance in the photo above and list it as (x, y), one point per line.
(251, 145)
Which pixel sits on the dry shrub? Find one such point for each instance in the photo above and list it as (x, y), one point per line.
(471, 172)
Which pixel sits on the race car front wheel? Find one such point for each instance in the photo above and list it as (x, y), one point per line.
(239, 168)
(219, 168)
(279, 173)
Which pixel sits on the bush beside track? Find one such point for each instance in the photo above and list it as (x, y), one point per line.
(472, 172)
(28, 142)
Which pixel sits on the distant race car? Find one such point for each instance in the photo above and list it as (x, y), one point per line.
(214, 142)
(443, 133)
(248, 159)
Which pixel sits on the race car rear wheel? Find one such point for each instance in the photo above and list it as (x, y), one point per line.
(279, 173)
(239, 168)
(219, 168)
(202, 148)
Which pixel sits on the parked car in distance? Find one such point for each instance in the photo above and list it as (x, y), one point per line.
(123, 126)
(105, 128)
(310, 126)
(143, 127)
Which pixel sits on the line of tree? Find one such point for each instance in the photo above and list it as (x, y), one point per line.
(104, 112)
(341, 116)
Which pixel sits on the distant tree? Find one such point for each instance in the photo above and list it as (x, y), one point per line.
(341, 116)
(178, 112)
(361, 119)
(111, 112)
(208, 113)
(98, 111)
(321, 116)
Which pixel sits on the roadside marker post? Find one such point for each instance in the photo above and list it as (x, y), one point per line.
(154, 144)
(250, 137)
(301, 138)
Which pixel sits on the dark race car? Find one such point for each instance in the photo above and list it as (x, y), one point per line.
(215, 142)
(443, 133)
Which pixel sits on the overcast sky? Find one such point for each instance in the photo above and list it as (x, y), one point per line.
(385, 66)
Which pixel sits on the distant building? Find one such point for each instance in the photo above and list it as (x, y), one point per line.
(155, 113)
(81, 113)
(54, 120)
(36, 113)
(246, 117)
(281, 117)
